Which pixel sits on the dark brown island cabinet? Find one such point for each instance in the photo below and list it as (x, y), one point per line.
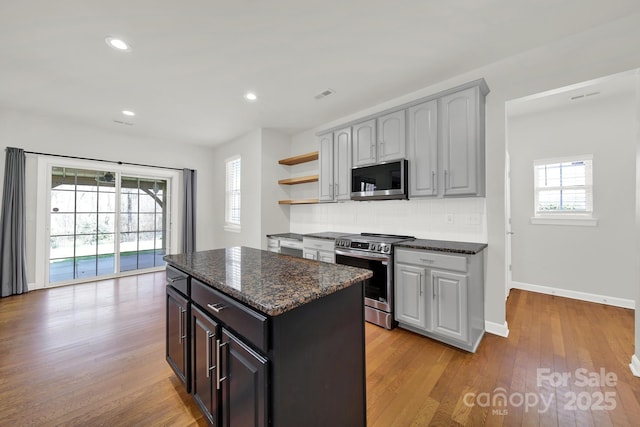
(264, 339)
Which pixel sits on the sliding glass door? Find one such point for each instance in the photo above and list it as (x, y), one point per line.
(102, 223)
(142, 223)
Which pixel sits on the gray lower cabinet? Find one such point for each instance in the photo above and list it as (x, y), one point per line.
(440, 296)
(319, 249)
(335, 166)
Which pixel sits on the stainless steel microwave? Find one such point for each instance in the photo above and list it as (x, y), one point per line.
(380, 181)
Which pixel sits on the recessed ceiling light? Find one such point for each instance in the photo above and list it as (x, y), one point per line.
(250, 96)
(118, 44)
(128, 113)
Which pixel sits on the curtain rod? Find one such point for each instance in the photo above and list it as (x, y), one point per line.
(101, 160)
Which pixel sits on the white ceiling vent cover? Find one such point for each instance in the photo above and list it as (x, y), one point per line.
(325, 93)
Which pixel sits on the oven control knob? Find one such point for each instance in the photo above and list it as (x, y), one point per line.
(385, 248)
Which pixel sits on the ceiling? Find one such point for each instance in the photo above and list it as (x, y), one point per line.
(577, 94)
(192, 61)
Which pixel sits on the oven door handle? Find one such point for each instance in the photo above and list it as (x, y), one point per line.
(370, 257)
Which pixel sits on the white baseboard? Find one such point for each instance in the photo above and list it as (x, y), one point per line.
(635, 365)
(583, 296)
(501, 330)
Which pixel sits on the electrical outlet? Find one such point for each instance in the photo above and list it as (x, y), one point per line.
(450, 218)
(474, 219)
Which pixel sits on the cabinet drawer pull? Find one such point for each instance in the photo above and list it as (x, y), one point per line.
(218, 307)
(174, 279)
(428, 261)
(219, 362)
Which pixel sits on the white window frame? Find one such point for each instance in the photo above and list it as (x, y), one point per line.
(43, 208)
(232, 224)
(581, 218)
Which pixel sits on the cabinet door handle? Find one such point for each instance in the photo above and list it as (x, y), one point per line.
(433, 182)
(218, 307)
(181, 335)
(208, 351)
(433, 286)
(445, 179)
(336, 188)
(421, 281)
(219, 363)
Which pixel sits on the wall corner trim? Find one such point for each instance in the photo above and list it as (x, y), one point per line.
(502, 330)
(635, 365)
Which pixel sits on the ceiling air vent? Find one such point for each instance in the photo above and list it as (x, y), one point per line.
(325, 93)
(573, 98)
(120, 122)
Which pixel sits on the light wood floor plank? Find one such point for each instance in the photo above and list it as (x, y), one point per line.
(93, 354)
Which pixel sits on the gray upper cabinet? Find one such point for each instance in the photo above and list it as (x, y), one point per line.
(342, 164)
(364, 143)
(335, 166)
(446, 144)
(462, 143)
(423, 149)
(441, 135)
(391, 136)
(326, 168)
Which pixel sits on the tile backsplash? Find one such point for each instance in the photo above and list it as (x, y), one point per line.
(457, 219)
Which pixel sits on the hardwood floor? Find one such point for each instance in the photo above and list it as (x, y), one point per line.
(93, 354)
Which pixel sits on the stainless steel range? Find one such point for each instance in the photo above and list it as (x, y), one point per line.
(373, 252)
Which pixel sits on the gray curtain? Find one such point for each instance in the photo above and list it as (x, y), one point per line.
(189, 211)
(13, 259)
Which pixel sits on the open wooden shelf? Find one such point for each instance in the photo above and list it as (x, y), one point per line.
(299, 180)
(302, 158)
(298, 202)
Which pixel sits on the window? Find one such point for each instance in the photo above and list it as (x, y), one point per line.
(232, 194)
(563, 188)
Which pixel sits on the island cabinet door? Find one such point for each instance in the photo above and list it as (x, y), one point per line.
(177, 334)
(243, 384)
(204, 370)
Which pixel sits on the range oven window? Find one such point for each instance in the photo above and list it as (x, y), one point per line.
(376, 287)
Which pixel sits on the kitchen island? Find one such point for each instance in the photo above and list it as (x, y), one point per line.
(262, 339)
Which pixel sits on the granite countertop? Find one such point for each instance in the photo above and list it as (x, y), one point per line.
(443, 246)
(327, 235)
(292, 236)
(269, 282)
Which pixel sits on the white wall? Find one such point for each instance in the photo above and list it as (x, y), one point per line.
(249, 148)
(260, 213)
(274, 217)
(595, 260)
(599, 52)
(56, 135)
